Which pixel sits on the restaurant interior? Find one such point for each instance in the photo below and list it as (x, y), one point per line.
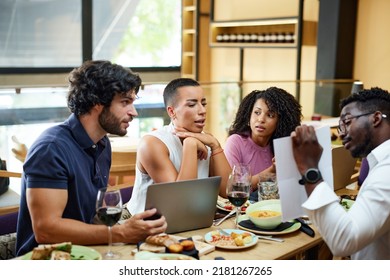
(318, 51)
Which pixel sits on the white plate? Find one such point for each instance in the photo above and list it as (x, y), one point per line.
(145, 255)
(208, 239)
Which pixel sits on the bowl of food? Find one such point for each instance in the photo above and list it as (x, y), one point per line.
(265, 214)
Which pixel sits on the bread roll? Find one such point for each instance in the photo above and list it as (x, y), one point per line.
(157, 239)
(188, 245)
(175, 248)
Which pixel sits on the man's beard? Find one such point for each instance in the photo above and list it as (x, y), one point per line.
(110, 123)
(365, 147)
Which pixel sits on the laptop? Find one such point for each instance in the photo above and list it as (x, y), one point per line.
(343, 165)
(186, 205)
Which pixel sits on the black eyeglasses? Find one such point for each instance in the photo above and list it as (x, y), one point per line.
(342, 128)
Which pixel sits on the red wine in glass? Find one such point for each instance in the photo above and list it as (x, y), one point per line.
(109, 215)
(238, 198)
(109, 211)
(238, 187)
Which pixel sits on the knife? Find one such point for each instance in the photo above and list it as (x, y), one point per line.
(305, 228)
(224, 218)
(269, 238)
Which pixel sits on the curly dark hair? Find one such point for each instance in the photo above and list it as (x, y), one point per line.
(369, 100)
(97, 82)
(278, 101)
(170, 90)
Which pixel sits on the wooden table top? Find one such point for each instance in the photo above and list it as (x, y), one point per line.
(295, 245)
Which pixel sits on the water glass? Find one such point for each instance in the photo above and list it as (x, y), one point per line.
(268, 187)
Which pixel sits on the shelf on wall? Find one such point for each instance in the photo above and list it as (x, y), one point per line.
(189, 38)
(189, 3)
(190, 8)
(269, 33)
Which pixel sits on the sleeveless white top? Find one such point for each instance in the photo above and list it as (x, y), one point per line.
(142, 180)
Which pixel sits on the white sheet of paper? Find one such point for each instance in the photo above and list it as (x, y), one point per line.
(292, 194)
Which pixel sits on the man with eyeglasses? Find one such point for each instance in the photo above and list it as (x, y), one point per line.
(364, 231)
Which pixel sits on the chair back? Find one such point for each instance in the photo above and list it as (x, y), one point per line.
(8, 223)
(122, 167)
(126, 193)
(343, 165)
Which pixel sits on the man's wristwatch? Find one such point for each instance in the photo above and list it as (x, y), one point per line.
(311, 176)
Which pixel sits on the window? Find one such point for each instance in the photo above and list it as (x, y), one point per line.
(50, 34)
(140, 33)
(40, 33)
(28, 113)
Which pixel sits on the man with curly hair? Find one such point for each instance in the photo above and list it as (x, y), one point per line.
(263, 115)
(364, 127)
(70, 162)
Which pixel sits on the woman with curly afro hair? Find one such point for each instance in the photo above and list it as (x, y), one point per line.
(263, 115)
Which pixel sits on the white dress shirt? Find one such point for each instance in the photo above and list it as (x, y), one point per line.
(363, 232)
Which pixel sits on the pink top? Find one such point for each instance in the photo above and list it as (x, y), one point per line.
(244, 150)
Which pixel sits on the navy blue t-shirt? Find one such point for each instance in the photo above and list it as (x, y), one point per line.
(64, 157)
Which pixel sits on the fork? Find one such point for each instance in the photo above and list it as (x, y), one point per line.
(224, 232)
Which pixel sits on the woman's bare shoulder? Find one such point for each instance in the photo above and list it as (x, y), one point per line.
(150, 143)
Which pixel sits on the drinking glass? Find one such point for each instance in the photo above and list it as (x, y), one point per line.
(238, 187)
(109, 210)
(268, 187)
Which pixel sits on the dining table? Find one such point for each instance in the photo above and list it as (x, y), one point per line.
(296, 246)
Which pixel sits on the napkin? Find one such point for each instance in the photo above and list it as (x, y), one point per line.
(249, 225)
(305, 228)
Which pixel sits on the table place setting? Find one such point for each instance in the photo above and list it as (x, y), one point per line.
(265, 218)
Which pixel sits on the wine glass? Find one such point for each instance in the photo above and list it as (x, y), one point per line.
(109, 210)
(238, 187)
